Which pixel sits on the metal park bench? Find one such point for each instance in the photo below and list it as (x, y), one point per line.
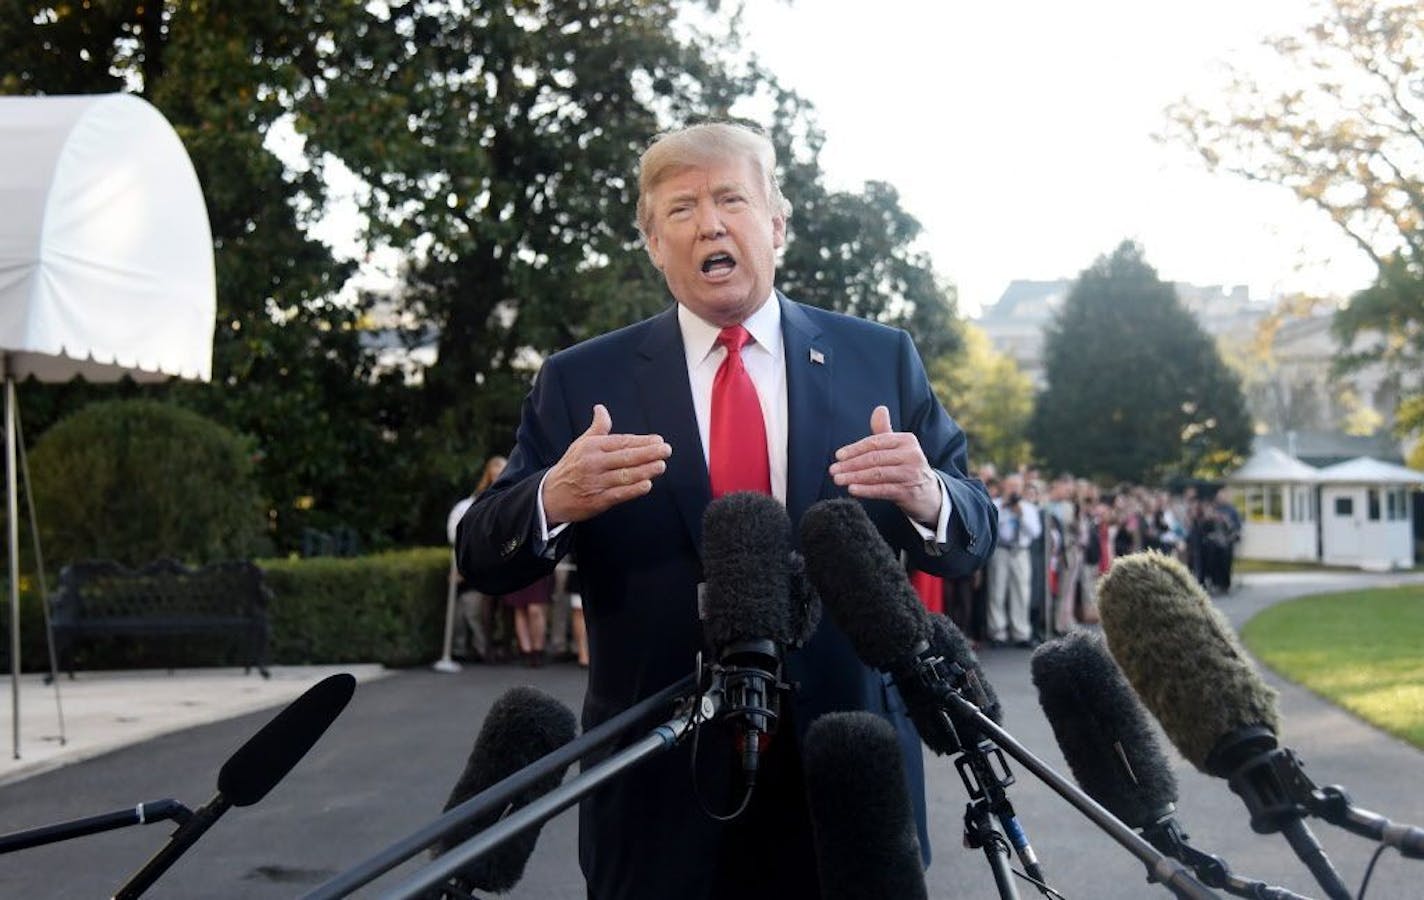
(100, 598)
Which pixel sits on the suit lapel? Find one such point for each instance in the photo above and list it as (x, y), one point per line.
(666, 395)
(809, 364)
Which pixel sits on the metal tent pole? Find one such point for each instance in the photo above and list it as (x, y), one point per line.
(13, 526)
(40, 571)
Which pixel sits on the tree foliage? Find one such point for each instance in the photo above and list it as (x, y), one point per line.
(287, 367)
(495, 147)
(1136, 391)
(990, 398)
(1339, 120)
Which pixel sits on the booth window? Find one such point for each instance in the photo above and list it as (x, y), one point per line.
(1344, 506)
(1374, 500)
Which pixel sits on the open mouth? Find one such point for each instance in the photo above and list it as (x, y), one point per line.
(718, 264)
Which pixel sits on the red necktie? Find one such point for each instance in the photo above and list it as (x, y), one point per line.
(738, 457)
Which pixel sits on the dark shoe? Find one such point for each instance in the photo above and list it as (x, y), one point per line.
(1026, 645)
(997, 644)
(534, 659)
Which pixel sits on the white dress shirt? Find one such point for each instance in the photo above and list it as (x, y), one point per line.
(765, 360)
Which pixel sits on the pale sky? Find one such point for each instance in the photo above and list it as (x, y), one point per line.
(1019, 133)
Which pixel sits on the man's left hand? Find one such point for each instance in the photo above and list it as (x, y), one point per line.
(889, 465)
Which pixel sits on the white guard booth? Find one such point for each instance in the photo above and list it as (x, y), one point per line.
(106, 260)
(1366, 519)
(1276, 494)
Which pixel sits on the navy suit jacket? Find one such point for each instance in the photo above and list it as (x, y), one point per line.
(644, 835)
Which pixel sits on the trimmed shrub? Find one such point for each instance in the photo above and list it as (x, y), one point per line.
(387, 608)
(137, 480)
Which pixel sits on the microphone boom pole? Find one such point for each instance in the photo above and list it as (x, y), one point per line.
(696, 710)
(497, 795)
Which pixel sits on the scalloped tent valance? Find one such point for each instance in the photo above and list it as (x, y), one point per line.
(106, 257)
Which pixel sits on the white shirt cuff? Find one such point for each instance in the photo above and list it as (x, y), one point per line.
(940, 535)
(546, 534)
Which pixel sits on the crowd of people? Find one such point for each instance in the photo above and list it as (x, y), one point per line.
(538, 623)
(1058, 536)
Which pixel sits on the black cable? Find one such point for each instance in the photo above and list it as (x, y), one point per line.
(1042, 886)
(1369, 870)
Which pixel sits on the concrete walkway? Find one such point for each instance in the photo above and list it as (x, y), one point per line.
(385, 767)
(103, 711)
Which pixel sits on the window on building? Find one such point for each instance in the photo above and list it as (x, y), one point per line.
(1373, 495)
(1274, 510)
(1344, 506)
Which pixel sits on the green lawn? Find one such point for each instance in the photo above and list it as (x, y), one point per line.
(1272, 565)
(1363, 650)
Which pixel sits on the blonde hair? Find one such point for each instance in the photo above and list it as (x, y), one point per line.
(698, 145)
(492, 470)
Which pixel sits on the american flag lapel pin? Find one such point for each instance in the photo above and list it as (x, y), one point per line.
(818, 357)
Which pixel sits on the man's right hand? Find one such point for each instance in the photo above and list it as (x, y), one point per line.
(601, 470)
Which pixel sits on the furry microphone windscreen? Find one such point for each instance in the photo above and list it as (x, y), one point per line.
(746, 562)
(862, 584)
(1181, 656)
(523, 726)
(1102, 729)
(271, 753)
(861, 817)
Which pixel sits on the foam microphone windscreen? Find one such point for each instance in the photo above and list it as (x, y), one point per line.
(271, 753)
(746, 562)
(861, 817)
(1182, 657)
(862, 584)
(1102, 729)
(522, 727)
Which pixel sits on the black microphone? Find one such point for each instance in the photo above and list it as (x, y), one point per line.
(1114, 754)
(861, 818)
(1102, 729)
(522, 726)
(254, 770)
(751, 611)
(869, 597)
(1190, 670)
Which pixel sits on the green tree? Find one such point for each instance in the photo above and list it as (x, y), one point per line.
(1136, 391)
(1388, 320)
(506, 168)
(990, 398)
(287, 365)
(853, 252)
(496, 147)
(1336, 118)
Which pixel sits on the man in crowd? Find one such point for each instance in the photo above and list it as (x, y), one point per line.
(627, 437)
(1011, 570)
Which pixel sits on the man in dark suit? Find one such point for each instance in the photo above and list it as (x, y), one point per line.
(623, 443)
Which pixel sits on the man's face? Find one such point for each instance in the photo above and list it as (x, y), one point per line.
(714, 236)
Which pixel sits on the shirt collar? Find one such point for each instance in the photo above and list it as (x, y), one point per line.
(699, 337)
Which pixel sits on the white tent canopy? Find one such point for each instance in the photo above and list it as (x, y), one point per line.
(106, 257)
(106, 264)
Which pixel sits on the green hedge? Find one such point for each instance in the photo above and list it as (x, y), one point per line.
(386, 608)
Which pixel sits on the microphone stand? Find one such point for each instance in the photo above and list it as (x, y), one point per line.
(142, 814)
(499, 795)
(1169, 837)
(692, 713)
(1160, 868)
(1277, 794)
